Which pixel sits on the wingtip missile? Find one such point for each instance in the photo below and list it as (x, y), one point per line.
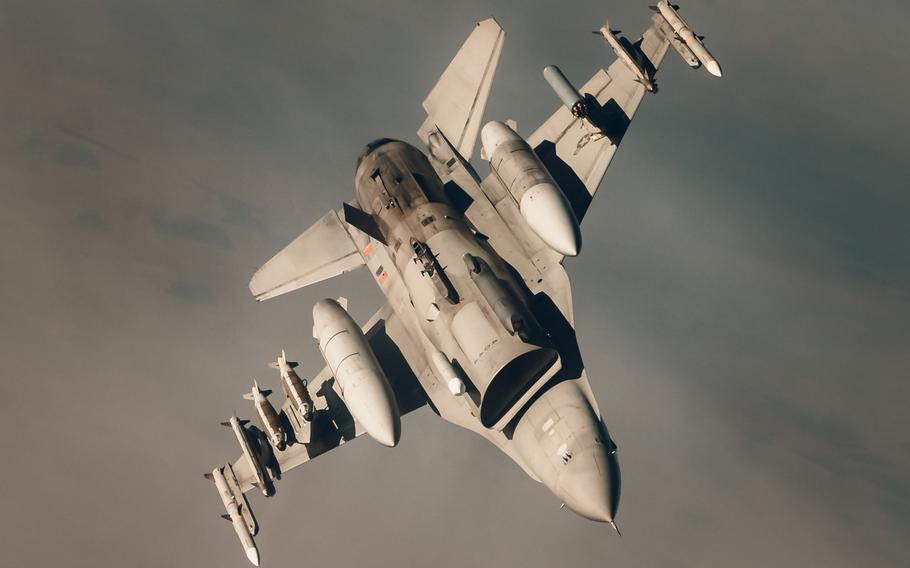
(713, 67)
(253, 555)
(230, 501)
(684, 32)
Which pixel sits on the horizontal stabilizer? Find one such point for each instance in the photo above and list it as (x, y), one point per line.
(321, 252)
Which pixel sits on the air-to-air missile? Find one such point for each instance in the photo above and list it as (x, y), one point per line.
(294, 387)
(261, 478)
(685, 33)
(541, 202)
(628, 54)
(271, 424)
(364, 387)
(244, 525)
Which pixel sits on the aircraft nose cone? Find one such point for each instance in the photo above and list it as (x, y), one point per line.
(590, 485)
(549, 215)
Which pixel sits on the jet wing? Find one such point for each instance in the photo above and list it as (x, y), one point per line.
(322, 251)
(577, 160)
(333, 425)
(456, 103)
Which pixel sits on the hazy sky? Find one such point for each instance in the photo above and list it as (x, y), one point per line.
(743, 293)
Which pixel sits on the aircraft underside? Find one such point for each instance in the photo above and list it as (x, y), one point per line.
(478, 322)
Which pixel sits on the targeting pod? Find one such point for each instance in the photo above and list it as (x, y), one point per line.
(447, 373)
(566, 92)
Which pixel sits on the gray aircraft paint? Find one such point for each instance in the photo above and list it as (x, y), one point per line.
(746, 318)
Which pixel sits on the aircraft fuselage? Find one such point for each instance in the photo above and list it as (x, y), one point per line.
(471, 309)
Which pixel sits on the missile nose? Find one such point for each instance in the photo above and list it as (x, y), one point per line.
(591, 484)
(253, 555)
(713, 67)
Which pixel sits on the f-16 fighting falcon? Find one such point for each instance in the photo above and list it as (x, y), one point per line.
(478, 323)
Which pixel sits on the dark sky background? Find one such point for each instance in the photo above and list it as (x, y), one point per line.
(743, 295)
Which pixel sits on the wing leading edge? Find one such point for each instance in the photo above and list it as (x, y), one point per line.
(577, 160)
(321, 252)
(333, 425)
(456, 103)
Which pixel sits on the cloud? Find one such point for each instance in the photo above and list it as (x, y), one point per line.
(195, 230)
(192, 292)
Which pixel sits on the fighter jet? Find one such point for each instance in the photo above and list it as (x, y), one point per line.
(478, 323)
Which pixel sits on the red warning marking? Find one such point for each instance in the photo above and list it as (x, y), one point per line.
(368, 250)
(383, 277)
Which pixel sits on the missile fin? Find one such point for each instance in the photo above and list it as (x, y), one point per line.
(208, 475)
